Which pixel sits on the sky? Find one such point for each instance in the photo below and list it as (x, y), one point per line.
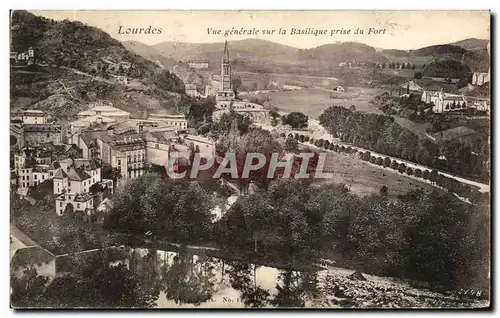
(403, 29)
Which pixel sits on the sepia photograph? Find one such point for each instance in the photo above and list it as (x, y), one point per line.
(250, 159)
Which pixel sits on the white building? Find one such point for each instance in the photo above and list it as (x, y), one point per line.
(34, 117)
(198, 64)
(105, 111)
(444, 102)
(479, 78)
(177, 121)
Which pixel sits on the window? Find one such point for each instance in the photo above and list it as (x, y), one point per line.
(24, 178)
(24, 184)
(60, 204)
(43, 177)
(35, 176)
(119, 162)
(157, 146)
(28, 178)
(78, 205)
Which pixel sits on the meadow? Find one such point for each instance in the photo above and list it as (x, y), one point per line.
(313, 101)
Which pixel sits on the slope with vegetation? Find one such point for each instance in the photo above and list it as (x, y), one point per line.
(78, 64)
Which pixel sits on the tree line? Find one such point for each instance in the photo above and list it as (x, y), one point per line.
(380, 133)
(426, 236)
(432, 175)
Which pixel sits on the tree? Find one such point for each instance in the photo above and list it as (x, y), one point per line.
(409, 171)
(402, 168)
(27, 291)
(418, 75)
(291, 144)
(383, 190)
(426, 174)
(295, 120)
(387, 162)
(433, 176)
(418, 173)
(236, 83)
(223, 126)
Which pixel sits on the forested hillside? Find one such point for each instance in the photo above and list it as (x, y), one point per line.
(77, 64)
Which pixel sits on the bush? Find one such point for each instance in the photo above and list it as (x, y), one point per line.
(306, 138)
(366, 156)
(380, 161)
(373, 159)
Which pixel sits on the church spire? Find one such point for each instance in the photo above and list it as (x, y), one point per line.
(225, 56)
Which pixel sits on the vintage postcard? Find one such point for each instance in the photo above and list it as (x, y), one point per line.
(250, 159)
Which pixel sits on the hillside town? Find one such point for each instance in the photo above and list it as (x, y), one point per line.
(358, 178)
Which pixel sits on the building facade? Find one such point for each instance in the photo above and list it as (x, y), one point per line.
(198, 64)
(444, 102)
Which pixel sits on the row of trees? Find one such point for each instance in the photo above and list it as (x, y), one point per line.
(383, 135)
(433, 175)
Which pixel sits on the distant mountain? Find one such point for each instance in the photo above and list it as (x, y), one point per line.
(395, 53)
(447, 69)
(342, 52)
(444, 49)
(78, 65)
(471, 44)
(149, 53)
(244, 49)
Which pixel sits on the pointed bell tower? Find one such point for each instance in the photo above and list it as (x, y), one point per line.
(225, 92)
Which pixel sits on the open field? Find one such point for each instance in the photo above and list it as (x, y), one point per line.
(364, 179)
(313, 102)
(262, 79)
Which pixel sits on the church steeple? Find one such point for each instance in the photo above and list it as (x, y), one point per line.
(225, 56)
(226, 87)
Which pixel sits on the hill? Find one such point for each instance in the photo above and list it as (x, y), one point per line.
(445, 49)
(149, 53)
(243, 49)
(78, 65)
(471, 44)
(342, 52)
(446, 69)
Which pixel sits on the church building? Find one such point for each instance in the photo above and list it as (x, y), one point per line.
(226, 99)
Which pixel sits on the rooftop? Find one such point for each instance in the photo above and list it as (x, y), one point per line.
(87, 164)
(60, 174)
(41, 128)
(77, 174)
(29, 256)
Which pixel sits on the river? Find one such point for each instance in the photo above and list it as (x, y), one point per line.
(194, 280)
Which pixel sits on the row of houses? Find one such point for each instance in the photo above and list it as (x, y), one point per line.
(101, 136)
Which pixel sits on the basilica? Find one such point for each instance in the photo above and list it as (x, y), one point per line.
(226, 99)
